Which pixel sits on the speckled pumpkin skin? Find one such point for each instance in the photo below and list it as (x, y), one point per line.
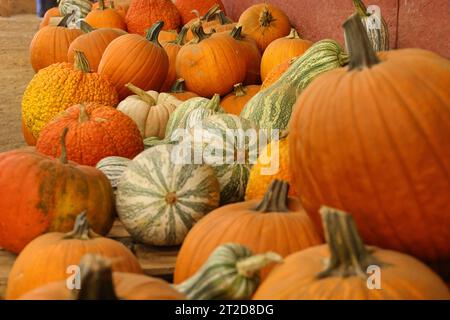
(40, 194)
(58, 87)
(107, 132)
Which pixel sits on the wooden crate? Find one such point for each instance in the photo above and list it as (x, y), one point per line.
(156, 261)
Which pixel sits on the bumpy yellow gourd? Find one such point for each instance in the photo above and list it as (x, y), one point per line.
(62, 85)
(259, 180)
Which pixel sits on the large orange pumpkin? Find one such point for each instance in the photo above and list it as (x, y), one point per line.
(264, 23)
(172, 48)
(276, 223)
(373, 139)
(281, 50)
(234, 102)
(341, 269)
(94, 132)
(211, 64)
(41, 194)
(142, 14)
(51, 43)
(135, 59)
(49, 257)
(277, 72)
(50, 13)
(93, 44)
(186, 8)
(104, 17)
(120, 6)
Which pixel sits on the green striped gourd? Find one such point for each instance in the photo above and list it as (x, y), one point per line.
(230, 273)
(375, 25)
(113, 167)
(232, 171)
(181, 117)
(67, 6)
(159, 201)
(271, 108)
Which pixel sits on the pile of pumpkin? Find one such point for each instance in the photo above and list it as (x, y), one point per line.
(363, 130)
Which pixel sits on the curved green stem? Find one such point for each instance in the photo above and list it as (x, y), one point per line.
(153, 32)
(250, 266)
(81, 62)
(276, 198)
(239, 90)
(199, 33)
(178, 86)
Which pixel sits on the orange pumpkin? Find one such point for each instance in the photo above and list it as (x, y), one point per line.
(135, 59)
(51, 43)
(186, 8)
(99, 282)
(120, 6)
(235, 101)
(211, 64)
(178, 90)
(172, 48)
(264, 23)
(94, 132)
(50, 13)
(104, 17)
(276, 223)
(277, 72)
(372, 139)
(169, 35)
(142, 14)
(51, 193)
(207, 20)
(49, 257)
(341, 270)
(281, 50)
(93, 44)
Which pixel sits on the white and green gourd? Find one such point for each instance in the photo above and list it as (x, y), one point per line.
(271, 108)
(113, 167)
(159, 200)
(82, 7)
(230, 273)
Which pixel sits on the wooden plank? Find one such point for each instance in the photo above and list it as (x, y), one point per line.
(5, 8)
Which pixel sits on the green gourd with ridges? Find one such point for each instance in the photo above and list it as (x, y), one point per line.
(159, 200)
(66, 7)
(271, 108)
(113, 167)
(230, 273)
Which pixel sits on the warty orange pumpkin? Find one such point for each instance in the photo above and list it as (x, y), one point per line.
(49, 257)
(373, 139)
(234, 102)
(104, 17)
(275, 223)
(135, 59)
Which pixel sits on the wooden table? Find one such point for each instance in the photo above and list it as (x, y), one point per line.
(156, 261)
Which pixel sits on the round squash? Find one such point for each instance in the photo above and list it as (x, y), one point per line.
(50, 13)
(142, 14)
(281, 50)
(186, 8)
(61, 86)
(48, 258)
(81, 7)
(94, 132)
(264, 23)
(104, 17)
(135, 59)
(340, 270)
(383, 154)
(235, 101)
(159, 201)
(275, 223)
(99, 282)
(113, 167)
(178, 90)
(277, 72)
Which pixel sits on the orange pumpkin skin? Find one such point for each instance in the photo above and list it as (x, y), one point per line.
(251, 54)
(234, 102)
(144, 63)
(172, 48)
(51, 194)
(165, 36)
(50, 13)
(142, 14)
(264, 23)
(93, 44)
(281, 50)
(95, 132)
(185, 8)
(106, 18)
(27, 135)
(281, 232)
(384, 157)
(121, 7)
(276, 73)
(47, 258)
(50, 45)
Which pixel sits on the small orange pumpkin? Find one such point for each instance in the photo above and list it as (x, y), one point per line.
(172, 48)
(178, 90)
(50, 13)
(235, 101)
(120, 6)
(104, 17)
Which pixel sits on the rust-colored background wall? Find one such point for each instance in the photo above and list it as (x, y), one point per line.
(412, 23)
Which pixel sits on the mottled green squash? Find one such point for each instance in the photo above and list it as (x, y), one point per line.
(159, 201)
(230, 273)
(66, 7)
(271, 108)
(113, 167)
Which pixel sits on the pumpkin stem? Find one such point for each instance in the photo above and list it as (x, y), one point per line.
(153, 32)
(66, 20)
(63, 157)
(239, 90)
(223, 19)
(171, 198)
(198, 33)
(250, 266)
(266, 18)
(214, 103)
(97, 279)
(284, 134)
(360, 8)
(236, 33)
(362, 54)
(348, 255)
(181, 37)
(293, 34)
(112, 4)
(101, 4)
(144, 96)
(276, 198)
(178, 86)
(211, 13)
(83, 115)
(81, 62)
(81, 230)
(86, 27)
